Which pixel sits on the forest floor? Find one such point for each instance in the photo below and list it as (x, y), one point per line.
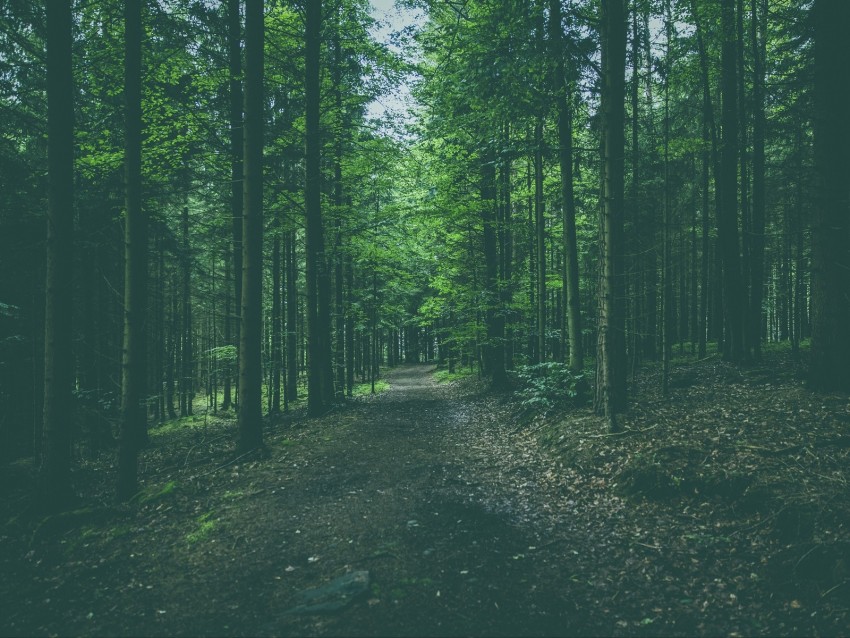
(720, 510)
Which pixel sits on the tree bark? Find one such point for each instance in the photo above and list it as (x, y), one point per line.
(133, 413)
(667, 222)
(759, 17)
(250, 366)
(829, 369)
(727, 216)
(319, 371)
(58, 336)
(234, 57)
(540, 239)
(291, 316)
(276, 354)
(187, 374)
(494, 314)
(565, 159)
(611, 346)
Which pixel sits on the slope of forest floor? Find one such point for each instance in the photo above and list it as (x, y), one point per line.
(720, 510)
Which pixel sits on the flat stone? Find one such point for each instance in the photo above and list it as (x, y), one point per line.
(333, 596)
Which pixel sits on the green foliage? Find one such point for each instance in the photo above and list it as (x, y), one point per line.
(153, 493)
(206, 525)
(223, 354)
(547, 386)
(363, 389)
(176, 425)
(444, 376)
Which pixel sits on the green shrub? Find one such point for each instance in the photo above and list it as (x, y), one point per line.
(546, 386)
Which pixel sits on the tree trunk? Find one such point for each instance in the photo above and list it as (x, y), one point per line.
(234, 56)
(133, 413)
(58, 336)
(250, 364)
(319, 371)
(831, 224)
(611, 353)
(494, 313)
(277, 321)
(540, 239)
(727, 216)
(758, 211)
(188, 372)
(291, 316)
(349, 325)
(565, 159)
(667, 222)
(639, 304)
(744, 181)
(339, 201)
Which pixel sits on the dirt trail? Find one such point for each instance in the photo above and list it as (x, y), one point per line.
(464, 523)
(418, 490)
(421, 485)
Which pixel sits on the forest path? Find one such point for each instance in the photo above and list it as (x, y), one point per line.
(464, 526)
(421, 487)
(693, 524)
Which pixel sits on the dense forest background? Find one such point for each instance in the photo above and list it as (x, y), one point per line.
(617, 231)
(220, 219)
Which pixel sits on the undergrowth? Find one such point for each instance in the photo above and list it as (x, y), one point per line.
(444, 376)
(546, 386)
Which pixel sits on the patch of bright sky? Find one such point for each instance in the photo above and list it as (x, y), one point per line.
(394, 110)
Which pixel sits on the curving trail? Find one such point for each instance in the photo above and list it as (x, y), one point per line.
(423, 489)
(464, 528)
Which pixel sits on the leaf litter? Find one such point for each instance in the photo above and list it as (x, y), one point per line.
(721, 509)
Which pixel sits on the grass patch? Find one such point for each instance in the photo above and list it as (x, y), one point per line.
(170, 427)
(362, 389)
(206, 525)
(444, 376)
(152, 494)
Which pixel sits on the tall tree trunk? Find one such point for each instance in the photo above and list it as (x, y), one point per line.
(611, 353)
(650, 224)
(234, 57)
(319, 371)
(540, 239)
(565, 159)
(276, 315)
(727, 216)
(667, 223)
(831, 223)
(251, 330)
(709, 133)
(58, 336)
(133, 413)
(494, 313)
(744, 179)
(759, 22)
(339, 201)
(639, 305)
(349, 325)
(188, 371)
(171, 356)
(161, 350)
(291, 316)
(227, 399)
(703, 305)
